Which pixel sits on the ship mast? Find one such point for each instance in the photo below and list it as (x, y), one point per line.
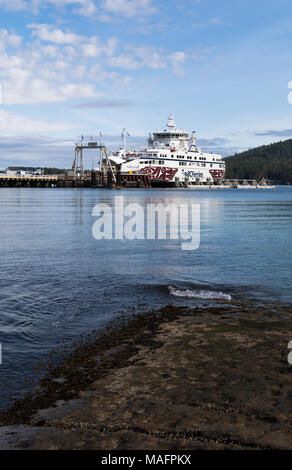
(193, 141)
(124, 136)
(170, 122)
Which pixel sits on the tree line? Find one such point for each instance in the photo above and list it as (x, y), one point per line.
(272, 162)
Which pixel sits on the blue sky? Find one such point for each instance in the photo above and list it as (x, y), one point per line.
(83, 66)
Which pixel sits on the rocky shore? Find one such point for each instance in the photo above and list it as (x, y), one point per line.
(179, 378)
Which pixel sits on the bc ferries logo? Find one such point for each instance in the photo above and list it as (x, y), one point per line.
(193, 174)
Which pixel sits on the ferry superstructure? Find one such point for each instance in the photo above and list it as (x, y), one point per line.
(171, 157)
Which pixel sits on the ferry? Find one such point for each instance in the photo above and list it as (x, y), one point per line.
(172, 158)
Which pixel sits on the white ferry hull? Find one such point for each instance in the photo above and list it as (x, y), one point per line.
(192, 175)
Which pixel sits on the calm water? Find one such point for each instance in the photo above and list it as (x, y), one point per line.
(56, 281)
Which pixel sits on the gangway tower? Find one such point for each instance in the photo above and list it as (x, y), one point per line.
(105, 165)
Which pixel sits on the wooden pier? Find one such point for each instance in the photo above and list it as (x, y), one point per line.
(28, 181)
(93, 179)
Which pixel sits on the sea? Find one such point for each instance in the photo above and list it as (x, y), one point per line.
(57, 281)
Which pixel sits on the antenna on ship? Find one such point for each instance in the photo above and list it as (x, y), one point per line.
(193, 141)
(125, 134)
(170, 122)
(193, 138)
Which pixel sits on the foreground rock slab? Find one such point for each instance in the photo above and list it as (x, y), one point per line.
(208, 379)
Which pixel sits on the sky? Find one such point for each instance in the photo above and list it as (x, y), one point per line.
(80, 67)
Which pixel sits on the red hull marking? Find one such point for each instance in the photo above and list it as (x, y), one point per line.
(159, 173)
(217, 174)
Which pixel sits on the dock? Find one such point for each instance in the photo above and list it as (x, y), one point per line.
(93, 179)
(110, 180)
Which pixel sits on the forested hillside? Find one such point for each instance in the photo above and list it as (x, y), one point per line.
(273, 162)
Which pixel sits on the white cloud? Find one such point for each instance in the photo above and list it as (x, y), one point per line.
(48, 33)
(87, 8)
(9, 40)
(82, 7)
(92, 48)
(110, 46)
(31, 91)
(50, 51)
(10, 122)
(81, 90)
(124, 61)
(215, 21)
(14, 5)
(149, 57)
(56, 65)
(34, 91)
(129, 8)
(178, 60)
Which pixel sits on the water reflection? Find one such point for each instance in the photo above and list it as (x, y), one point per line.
(57, 281)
